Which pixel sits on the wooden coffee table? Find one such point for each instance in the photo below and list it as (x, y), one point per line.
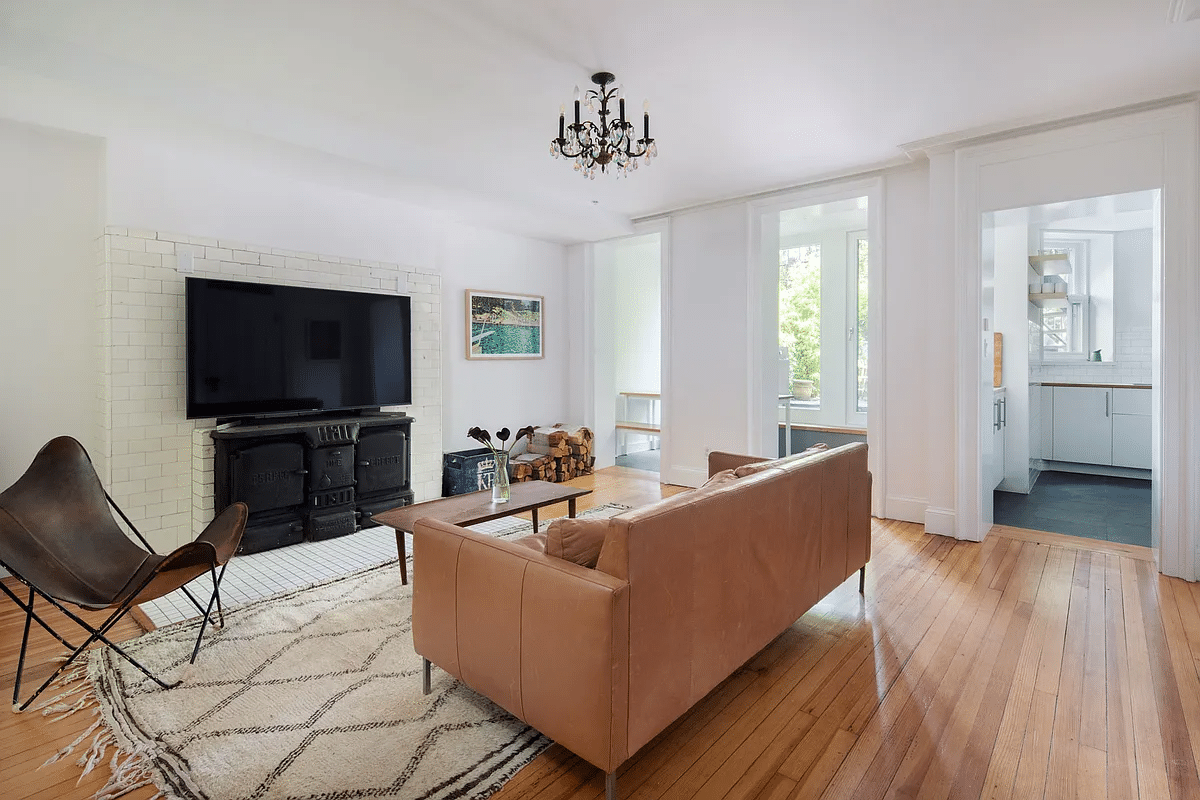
(476, 507)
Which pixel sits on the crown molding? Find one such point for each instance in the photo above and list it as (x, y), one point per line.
(924, 148)
(812, 182)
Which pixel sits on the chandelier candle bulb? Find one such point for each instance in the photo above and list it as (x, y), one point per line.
(561, 120)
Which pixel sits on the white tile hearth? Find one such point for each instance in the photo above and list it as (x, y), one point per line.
(258, 575)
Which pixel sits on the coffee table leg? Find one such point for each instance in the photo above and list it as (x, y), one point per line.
(571, 508)
(402, 549)
(535, 521)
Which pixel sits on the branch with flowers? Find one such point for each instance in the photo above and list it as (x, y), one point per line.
(485, 438)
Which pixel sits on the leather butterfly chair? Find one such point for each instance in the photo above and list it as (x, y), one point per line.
(59, 538)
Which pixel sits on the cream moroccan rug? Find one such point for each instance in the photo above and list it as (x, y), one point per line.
(311, 694)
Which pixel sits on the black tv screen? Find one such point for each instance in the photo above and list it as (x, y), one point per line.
(256, 349)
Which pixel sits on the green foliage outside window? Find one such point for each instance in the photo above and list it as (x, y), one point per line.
(800, 311)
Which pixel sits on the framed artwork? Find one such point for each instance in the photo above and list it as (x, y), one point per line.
(504, 326)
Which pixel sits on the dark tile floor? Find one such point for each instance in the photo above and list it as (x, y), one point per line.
(647, 460)
(1095, 506)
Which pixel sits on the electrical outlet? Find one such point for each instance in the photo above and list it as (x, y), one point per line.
(184, 261)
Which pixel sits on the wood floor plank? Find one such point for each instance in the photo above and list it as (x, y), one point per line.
(1183, 778)
(1119, 764)
(1094, 711)
(1001, 776)
(1063, 770)
(1148, 750)
(1173, 614)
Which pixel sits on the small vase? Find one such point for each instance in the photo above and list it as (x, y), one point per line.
(500, 490)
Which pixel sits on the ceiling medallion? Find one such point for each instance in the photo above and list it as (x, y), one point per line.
(609, 144)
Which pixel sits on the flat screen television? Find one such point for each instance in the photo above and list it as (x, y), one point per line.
(258, 350)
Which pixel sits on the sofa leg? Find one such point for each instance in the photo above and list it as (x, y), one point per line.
(425, 675)
(862, 580)
(610, 786)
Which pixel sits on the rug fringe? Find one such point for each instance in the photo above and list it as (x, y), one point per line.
(132, 773)
(75, 679)
(66, 751)
(130, 770)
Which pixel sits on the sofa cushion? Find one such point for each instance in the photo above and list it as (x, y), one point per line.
(752, 469)
(534, 541)
(724, 476)
(576, 540)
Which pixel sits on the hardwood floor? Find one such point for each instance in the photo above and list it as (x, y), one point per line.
(1030, 665)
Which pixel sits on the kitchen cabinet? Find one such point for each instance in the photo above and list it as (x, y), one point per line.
(1131, 428)
(1083, 426)
(999, 423)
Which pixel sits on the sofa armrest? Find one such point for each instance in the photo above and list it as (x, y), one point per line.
(719, 460)
(546, 639)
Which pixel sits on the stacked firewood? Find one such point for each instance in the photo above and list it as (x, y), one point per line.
(555, 454)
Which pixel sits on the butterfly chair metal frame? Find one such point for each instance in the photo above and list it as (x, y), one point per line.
(55, 532)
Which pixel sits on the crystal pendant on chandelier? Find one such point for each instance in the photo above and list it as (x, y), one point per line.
(609, 143)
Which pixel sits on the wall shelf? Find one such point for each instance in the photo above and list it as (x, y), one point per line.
(1053, 299)
(1051, 264)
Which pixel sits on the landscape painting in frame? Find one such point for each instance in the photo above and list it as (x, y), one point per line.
(503, 325)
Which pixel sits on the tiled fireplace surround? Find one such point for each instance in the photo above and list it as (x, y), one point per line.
(157, 464)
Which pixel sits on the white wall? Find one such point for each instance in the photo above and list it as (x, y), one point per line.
(912, 399)
(707, 401)
(498, 394)
(638, 309)
(1011, 245)
(207, 190)
(637, 333)
(50, 208)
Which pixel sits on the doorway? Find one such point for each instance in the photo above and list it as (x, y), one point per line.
(637, 351)
(1071, 292)
(1067, 294)
(823, 297)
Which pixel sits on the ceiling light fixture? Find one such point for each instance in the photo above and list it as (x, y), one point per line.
(608, 144)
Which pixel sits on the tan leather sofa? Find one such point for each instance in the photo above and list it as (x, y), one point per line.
(685, 591)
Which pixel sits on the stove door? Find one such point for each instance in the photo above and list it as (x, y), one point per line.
(382, 464)
(269, 476)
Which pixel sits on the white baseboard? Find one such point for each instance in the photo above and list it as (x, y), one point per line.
(940, 521)
(684, 476)
(908, 509)
(1093, 469)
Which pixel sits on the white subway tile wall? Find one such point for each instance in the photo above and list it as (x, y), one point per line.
(157, 464)
(1130, 364)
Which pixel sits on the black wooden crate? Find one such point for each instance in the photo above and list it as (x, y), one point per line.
(465, 471)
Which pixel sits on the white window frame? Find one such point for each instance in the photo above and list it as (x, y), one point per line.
(839, 327)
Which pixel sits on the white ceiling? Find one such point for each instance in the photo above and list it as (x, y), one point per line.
(454, 102)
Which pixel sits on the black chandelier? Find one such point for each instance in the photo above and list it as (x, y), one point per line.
(609, 143)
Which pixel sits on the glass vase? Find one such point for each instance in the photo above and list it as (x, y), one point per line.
(500, 490)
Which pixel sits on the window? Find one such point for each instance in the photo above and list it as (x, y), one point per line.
(1076, 294)
(823, 275)
(800, 320)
